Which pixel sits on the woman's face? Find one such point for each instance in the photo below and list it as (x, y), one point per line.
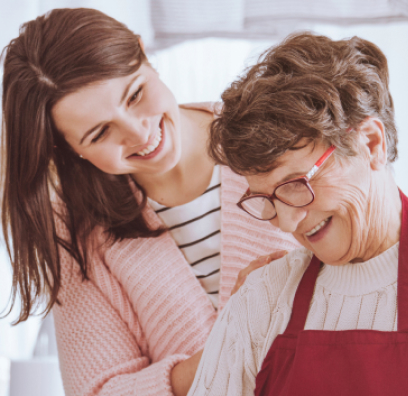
(125, 125)
(334, 226)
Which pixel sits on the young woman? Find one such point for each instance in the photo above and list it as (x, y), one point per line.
(112, 209)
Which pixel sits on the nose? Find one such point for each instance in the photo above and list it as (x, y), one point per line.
(287, 217)
(135, 131)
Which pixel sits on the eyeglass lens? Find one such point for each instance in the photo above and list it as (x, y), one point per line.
(259, 207)
(294, 194)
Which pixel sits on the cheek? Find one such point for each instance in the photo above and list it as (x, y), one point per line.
(344, 189)
(159, 99)
(106, 159)
(344, 199)
(347, 202)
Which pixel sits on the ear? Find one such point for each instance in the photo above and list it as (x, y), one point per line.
(372, 136)
(142, 46)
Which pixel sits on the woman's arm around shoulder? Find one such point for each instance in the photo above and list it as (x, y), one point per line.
(101, 351)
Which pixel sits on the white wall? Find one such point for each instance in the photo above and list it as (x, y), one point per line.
(393, 41)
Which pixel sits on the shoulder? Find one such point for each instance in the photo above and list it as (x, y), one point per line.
(272, 279)
(237, 181)
(271, 290)
(278, 272)
(253, 317)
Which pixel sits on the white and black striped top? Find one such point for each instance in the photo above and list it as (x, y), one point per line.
(196, 228)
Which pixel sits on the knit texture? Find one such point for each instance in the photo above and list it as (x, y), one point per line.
(143, 310)
(348, 297)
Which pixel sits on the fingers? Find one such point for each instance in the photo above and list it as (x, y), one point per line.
(263, 260)
(277, 255)
(255, 264)
(238, 284)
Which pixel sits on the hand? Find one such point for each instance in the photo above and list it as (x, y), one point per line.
(257, 263)
(182, 375)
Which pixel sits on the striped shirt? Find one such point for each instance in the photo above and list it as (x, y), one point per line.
(196, 228)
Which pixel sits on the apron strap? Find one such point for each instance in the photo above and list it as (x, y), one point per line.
(402, 294)
(304, 292)
(303, 297)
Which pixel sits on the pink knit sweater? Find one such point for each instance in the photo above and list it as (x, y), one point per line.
(143, 310)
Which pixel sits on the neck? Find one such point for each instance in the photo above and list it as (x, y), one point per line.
(383, 218)
(180, 184)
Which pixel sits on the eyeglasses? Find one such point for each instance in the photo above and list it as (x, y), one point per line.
(295, 192)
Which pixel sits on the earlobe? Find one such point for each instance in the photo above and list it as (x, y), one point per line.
(372, 132)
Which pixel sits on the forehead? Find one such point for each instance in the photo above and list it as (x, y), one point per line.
(81, 110)
(77, 105)
(292, 164)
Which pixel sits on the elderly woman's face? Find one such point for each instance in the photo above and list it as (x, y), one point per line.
(335, 225)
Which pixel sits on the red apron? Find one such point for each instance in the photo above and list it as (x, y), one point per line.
(331, 363)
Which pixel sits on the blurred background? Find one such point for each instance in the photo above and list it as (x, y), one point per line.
(199, 47)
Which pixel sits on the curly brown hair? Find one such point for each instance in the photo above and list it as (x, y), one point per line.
(308, 86)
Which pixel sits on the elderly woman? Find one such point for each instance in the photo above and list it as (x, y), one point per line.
(311, 126)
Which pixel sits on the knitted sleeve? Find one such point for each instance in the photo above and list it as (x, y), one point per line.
(246, 328)
(98, 353)
(102, 352)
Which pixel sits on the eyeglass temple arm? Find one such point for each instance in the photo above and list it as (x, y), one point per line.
(321, 161)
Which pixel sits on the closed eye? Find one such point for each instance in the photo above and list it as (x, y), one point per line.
(135, 96)
(99, 135)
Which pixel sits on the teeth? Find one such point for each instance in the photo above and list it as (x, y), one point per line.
(151, 147)
(317, 228)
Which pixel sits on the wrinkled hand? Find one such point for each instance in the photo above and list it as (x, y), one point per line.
(257, 263)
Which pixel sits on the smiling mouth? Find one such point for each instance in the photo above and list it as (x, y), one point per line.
(151, 148)
(317, 228)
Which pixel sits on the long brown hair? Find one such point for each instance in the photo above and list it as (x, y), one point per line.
(53, 56)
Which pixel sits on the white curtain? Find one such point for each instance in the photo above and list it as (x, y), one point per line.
(134, 13)
(176, 20)
(165, 22)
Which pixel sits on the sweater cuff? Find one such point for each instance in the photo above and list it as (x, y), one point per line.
(157, 379)
(134, 379)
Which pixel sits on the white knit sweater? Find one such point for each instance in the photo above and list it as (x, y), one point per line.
(348, 297)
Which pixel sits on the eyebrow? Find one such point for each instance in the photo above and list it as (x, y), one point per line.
(87, 133)
(285, 179)
(125, 93)
(292, 176)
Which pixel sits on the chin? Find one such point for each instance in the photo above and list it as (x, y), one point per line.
(334, 256)
(330, 260)
(328, 252)
(167, 164)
